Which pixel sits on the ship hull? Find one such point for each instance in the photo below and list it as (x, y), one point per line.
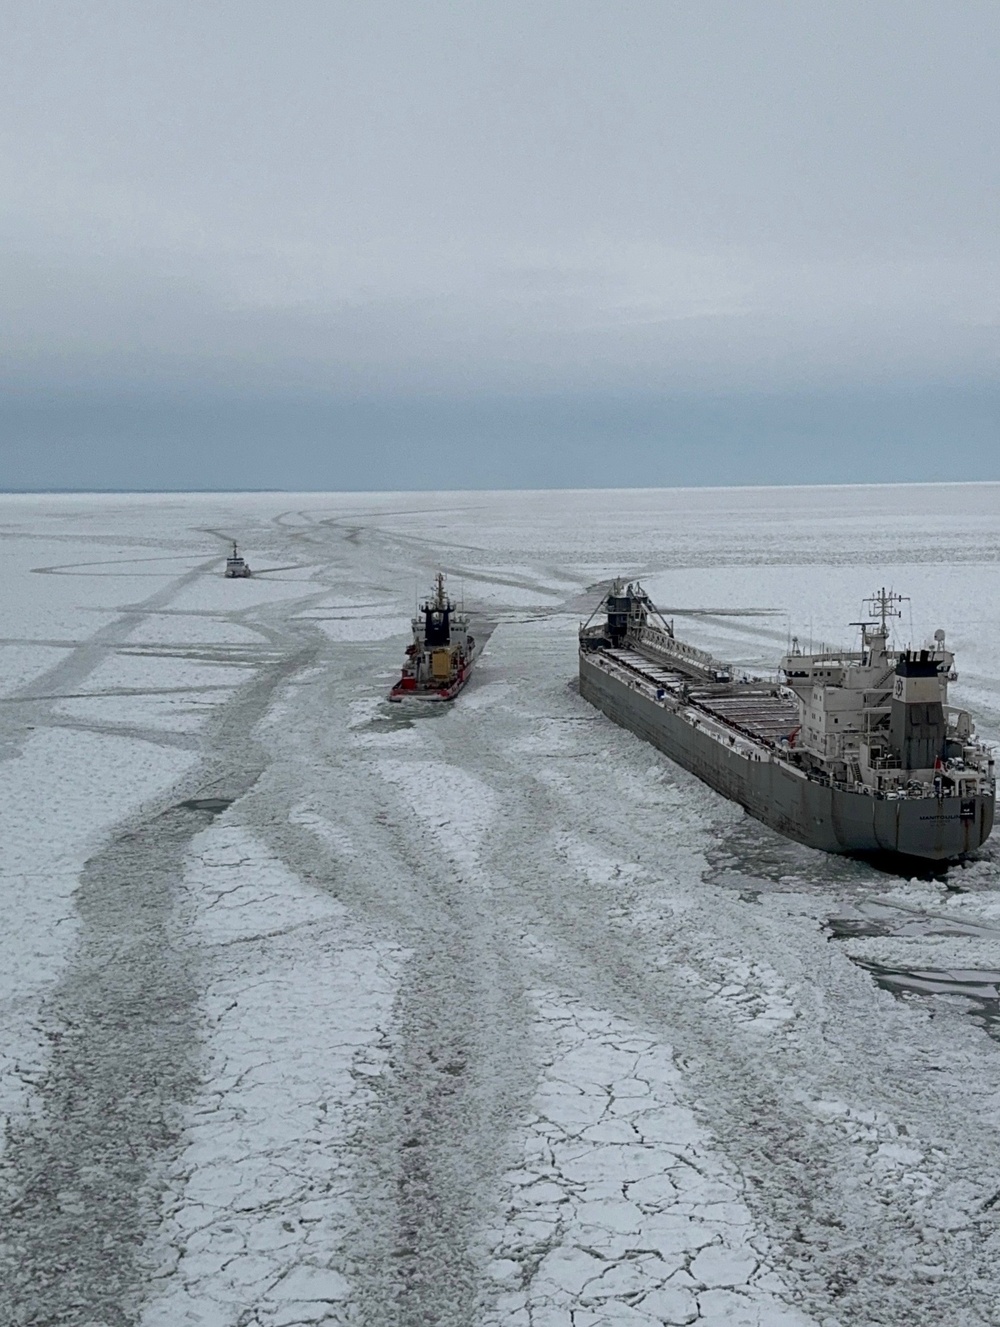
(831, 819)
(448, 692)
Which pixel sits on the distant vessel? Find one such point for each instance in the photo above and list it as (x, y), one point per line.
(236, 565)
(856, 751)
(440, 657)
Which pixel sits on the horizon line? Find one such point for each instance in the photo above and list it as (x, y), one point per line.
(553, 488)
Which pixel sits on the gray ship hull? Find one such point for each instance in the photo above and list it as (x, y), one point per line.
(776, 793)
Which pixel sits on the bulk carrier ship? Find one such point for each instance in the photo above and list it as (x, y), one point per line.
(853, 752)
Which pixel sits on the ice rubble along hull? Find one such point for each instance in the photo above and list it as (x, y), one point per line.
(780, 796)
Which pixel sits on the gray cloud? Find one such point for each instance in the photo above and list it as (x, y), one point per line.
(393, 200)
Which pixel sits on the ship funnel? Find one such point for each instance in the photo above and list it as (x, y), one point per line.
(437, 616)
(917, 725)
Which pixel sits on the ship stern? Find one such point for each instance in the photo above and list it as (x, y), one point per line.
(937, 829)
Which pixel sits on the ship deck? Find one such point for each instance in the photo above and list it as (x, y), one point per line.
(765, 716)
(757, 709)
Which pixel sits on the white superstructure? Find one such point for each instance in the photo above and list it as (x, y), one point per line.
(879, 719)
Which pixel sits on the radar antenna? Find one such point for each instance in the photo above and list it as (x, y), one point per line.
(884, 604)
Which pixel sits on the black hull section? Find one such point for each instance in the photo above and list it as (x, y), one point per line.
(932, 829)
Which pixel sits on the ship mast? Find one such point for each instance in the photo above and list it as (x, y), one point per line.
(883, 606)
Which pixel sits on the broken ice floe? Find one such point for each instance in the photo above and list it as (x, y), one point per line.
(620, 1211)
(260, 1201)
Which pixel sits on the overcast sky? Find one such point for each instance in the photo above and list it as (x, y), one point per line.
(429, 244)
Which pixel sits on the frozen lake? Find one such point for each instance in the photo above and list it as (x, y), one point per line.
(314, 1010)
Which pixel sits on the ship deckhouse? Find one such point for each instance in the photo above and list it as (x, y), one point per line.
(879, 717)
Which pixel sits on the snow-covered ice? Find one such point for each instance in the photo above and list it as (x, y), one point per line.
(622, 1210)
(316, 1009)
(259, 1201)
